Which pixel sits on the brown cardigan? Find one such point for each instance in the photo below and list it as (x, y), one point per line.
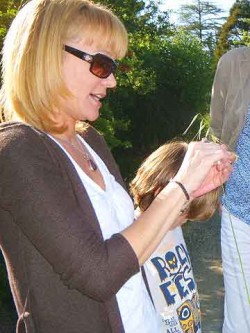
(63, 275)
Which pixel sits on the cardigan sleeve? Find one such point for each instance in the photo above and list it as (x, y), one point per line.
(36, 191)
(219, 94)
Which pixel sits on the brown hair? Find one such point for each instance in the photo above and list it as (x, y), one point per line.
(33, 53)
(155, 172)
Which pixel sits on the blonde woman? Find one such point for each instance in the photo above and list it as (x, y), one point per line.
(71, 246)
(168, 269)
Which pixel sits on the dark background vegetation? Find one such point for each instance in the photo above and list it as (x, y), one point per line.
(164, 81)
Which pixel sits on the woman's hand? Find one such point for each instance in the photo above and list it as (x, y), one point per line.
(205, 167)
(218, 175)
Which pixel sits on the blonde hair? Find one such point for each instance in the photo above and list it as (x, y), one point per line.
(155, 172)
(33, 51)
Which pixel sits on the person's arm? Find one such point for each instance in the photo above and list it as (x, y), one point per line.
(219, 94)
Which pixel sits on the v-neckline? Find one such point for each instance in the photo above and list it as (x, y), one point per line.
(79, 170)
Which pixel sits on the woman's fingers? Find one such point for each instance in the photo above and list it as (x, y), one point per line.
(205, 167)
(214, 179)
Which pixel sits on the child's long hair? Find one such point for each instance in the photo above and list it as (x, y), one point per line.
(154, 174)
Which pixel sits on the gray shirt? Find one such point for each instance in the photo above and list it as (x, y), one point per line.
(230, 95)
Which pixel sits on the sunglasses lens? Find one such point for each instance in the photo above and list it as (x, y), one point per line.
(102, 66)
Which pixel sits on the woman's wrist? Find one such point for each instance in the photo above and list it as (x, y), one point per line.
(186, 184)
(182, 187)
(181, 195)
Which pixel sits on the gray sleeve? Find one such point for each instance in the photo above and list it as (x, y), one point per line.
(219, 95)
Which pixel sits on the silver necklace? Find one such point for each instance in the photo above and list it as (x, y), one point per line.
(91, 163)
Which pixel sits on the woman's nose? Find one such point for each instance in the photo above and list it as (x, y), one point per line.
(110, 81)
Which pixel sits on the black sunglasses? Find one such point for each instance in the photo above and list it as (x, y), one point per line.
(100, 65)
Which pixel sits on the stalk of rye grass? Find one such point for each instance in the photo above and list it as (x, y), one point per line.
(205, 134)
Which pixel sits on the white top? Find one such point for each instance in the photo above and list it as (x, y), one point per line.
(172, 285)
(114, 210)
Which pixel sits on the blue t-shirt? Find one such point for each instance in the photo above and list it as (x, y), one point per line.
(237, 192)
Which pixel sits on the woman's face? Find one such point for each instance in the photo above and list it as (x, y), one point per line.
(87, 89)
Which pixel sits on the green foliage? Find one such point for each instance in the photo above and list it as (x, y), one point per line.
(235, 31)
(140, 15)
(108, 126)
(203, 19)
(245, 34)
(8, 10)
(175, 80)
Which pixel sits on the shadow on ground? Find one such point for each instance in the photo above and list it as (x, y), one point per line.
(203, 242)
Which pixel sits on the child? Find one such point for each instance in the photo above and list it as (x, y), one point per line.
(168, 270)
